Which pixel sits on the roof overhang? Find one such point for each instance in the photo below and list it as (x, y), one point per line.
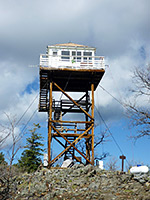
(73, 80)
(71, 46)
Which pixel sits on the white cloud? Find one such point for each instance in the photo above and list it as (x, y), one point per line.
(13, 79)
(119, 30)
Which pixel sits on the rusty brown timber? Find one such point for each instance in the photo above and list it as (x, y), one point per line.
(66, 80)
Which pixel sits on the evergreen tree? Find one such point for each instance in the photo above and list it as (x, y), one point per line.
(30, 159)
(2, 159)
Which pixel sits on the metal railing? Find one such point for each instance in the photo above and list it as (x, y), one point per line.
(63, 61)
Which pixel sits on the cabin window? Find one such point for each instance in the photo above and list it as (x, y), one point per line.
(65, 55)
(44, 56)
(54, 53)
(78, 59)
(73, 53)
(89, 54)
(78, 54)
(85, 58)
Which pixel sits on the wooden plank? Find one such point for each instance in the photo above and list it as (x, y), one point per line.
(76, 140)
(72, 69)
(71, 144)
(86, 125)
(71, 135)
(49, 125)
(76, 122)
(70, 129)
(92, 112)
(73, 101)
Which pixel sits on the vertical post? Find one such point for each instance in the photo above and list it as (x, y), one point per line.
(92, 112)
(49, 122)
(122, 158)
(87, 126)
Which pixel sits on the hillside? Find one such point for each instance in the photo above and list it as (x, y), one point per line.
(79, 182)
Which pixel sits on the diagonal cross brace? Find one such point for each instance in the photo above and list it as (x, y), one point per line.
(74, 101)
(74, 104)
(71, 144)
(70, 152)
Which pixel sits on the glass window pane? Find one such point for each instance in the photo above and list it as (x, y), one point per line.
(73, 53)
(87, 53)
(65, 53)
(78, 53)
(78, 59)
(54, 53)
(65, 58)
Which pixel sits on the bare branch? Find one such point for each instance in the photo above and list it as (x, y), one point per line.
(99, 139)
(139, 114)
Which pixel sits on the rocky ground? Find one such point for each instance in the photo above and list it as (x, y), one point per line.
(80, 182)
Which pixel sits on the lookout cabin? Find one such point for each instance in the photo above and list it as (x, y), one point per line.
(70, 55)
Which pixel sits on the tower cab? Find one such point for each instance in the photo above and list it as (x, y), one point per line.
(71, 55)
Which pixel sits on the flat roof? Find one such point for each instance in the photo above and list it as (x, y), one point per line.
(70, 44)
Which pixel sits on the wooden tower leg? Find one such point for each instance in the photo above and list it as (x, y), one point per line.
(92, 112)
(87, 126)
(49, 124)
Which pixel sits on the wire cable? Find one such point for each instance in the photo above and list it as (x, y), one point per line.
(111, 133)
(123, 105)
(112, 96)
(26, 110)
(24, 128)
(29, 106)
(111, 75)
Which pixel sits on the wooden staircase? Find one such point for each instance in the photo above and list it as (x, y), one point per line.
(43, 99)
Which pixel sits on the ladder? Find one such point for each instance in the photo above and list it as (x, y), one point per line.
(43, 99)
(70, 152)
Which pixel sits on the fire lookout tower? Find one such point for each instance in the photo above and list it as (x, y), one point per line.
(70, 69)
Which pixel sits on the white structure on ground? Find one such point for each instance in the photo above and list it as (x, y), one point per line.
(139, 169)
(45, 160)
(71, 55)
(99, 163)
(67, 163)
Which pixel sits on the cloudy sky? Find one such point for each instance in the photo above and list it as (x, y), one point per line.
(120, 30)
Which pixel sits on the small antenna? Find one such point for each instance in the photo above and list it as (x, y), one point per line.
(33, 66)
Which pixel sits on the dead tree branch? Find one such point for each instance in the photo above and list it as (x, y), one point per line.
(139, 109)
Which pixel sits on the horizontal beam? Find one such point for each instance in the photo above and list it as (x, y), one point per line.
(71, 144)
(71, 110)
(70, 129)
(76, 122)
(72, 69)
(71, 135)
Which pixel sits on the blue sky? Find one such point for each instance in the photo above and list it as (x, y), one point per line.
(120, 32)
